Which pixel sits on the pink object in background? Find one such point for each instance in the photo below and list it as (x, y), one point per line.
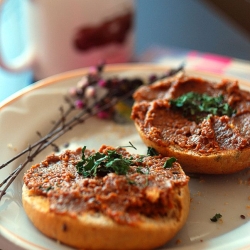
(208, 62)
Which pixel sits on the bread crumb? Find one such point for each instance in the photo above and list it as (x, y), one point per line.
(220, 221)
(201, 180)
(10, 146)
(58, 242)
(240, 181)
(198, 193)
(178, 241)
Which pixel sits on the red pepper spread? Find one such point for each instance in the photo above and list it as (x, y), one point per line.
(165, 126)
(147, 189)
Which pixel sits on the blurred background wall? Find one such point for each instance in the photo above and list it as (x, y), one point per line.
(182, 24)
(188, 24)
(193, 24)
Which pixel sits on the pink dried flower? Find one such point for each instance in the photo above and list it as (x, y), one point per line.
(102, 83)
(73, 91)
(82, 83)
(90, 92)
(103, 115)
(93, 71)
(79, 104)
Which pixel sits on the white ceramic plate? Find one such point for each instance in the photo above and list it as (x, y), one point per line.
(33, 109)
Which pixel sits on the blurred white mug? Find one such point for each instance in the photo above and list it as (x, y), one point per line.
(70, 34)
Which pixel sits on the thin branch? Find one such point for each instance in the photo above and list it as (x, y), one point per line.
(49, 139)
(62, 125)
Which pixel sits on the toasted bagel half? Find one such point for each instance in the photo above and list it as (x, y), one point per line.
(215, 144)
(143, 209)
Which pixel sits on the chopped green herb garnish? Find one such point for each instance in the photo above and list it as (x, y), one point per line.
(131, 182)
(139, 170)
(152, 152)
(100, 164)
(140, 160)
(168, 163)
(195, 105)
(48, 188)
(216, 217)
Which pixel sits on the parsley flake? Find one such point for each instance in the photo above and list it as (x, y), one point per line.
(152, 152)
(139, 170)
(168, 163)
(216, 217)
(100, 164)
(198, 106)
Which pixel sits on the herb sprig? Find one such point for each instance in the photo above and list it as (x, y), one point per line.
(99, 164)
(195, 105)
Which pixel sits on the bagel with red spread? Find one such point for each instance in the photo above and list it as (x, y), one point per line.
(204, 124)
(109, 199)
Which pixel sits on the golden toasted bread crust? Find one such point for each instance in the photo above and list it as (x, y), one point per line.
(226, 162)
(95, 231)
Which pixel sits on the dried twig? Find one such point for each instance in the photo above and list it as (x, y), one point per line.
(117, 90)
(58, 130)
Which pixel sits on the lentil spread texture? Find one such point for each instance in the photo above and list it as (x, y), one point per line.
(215, 144)
(142, 209)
